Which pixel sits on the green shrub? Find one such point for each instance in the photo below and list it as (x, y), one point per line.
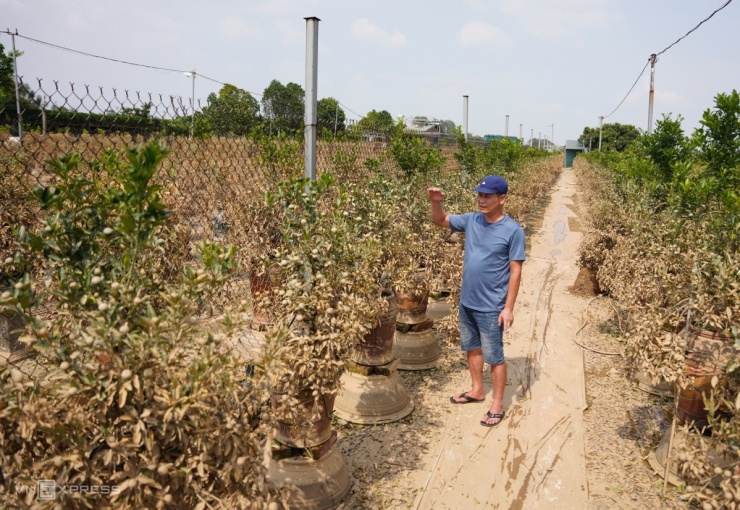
(137, 393)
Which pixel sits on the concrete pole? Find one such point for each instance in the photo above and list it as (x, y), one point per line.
(552, 136)
(506, 127)
(539, 140)
(192, 115)
(531, 138)
(465, 117)
(601, 127)
(43, 115)
(310, 118)
(336, 117)
(17, 93)
(653, 60)
(520, 133)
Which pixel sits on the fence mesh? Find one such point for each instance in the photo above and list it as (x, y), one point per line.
(208, 181)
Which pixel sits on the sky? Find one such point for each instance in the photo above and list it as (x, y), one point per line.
(553, 67)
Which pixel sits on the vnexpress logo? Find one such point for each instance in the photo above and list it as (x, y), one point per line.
(46, 490)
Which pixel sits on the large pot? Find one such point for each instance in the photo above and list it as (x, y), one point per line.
(707, 356)
(319, 483)
(307, 430)
(262, 286)
(376, 348)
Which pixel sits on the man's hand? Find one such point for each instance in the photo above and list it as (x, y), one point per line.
(436, 194)
(506, 317)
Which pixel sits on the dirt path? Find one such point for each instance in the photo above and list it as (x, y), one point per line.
(535, 459)
(567, 441)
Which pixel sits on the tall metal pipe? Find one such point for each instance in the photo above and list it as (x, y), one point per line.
(465, 117)
(310, 115)
(17, 92)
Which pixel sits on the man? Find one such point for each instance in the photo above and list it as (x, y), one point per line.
(492, 271)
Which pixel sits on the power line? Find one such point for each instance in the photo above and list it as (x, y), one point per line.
(697, 26)
(629, 91)
(347, 108)
(92, 55)
(56, 46)
(666, 49)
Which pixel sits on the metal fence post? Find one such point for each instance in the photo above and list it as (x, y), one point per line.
(465, 117)
(17, 93)
(310, 118)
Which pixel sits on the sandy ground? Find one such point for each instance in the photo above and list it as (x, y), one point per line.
(577, 431)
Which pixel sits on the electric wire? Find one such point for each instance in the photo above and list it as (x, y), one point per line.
(728, 2)
(697, 26)
(119, 61)
(629, 91)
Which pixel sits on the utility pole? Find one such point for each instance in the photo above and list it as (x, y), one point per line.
(539, 140)
(191, 74)
(465, 117)
(601, 127)
(17, 93)
(520, 134)
(336, 116)
(310, 118)
(552, 135)
(506, 127)
(531, 137)
(653, 59)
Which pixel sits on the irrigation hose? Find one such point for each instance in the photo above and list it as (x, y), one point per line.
(585, 323)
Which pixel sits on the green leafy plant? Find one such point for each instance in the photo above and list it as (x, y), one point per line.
(134, 380)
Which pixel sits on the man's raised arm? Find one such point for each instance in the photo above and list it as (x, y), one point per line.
(436, 196)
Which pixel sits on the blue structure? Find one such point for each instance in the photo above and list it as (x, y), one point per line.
(489, 138)
(572, 148)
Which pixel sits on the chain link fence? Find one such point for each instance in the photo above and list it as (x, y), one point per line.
(208, 181)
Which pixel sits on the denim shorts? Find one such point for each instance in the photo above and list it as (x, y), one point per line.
(480, 330)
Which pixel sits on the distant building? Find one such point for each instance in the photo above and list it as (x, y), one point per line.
(430, 129)
(572, 149)
(488, 138)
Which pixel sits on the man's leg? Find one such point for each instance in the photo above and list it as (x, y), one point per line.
(470, 343)
(498, 378)
(492, 342)
(475, 365)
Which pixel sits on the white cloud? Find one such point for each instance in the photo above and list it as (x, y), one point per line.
(235, 28)
(671, 99)
(556, 107)
(366, 31)
(551, 20)
(289, 31)
(478, 33)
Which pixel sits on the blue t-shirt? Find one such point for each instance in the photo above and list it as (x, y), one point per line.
(489, 247)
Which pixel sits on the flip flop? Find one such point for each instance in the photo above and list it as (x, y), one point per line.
(467, 399)
(490, 415)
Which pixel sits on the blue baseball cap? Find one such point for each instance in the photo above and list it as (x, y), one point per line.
(493, 184)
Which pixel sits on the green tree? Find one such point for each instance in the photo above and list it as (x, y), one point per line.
(376, 122)
(331, 116)
(7, 87)
(666, 146)
(28, 101)
(719, 139)
(282, 107)
(233, 112)
(448, 127)
(615, 136)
